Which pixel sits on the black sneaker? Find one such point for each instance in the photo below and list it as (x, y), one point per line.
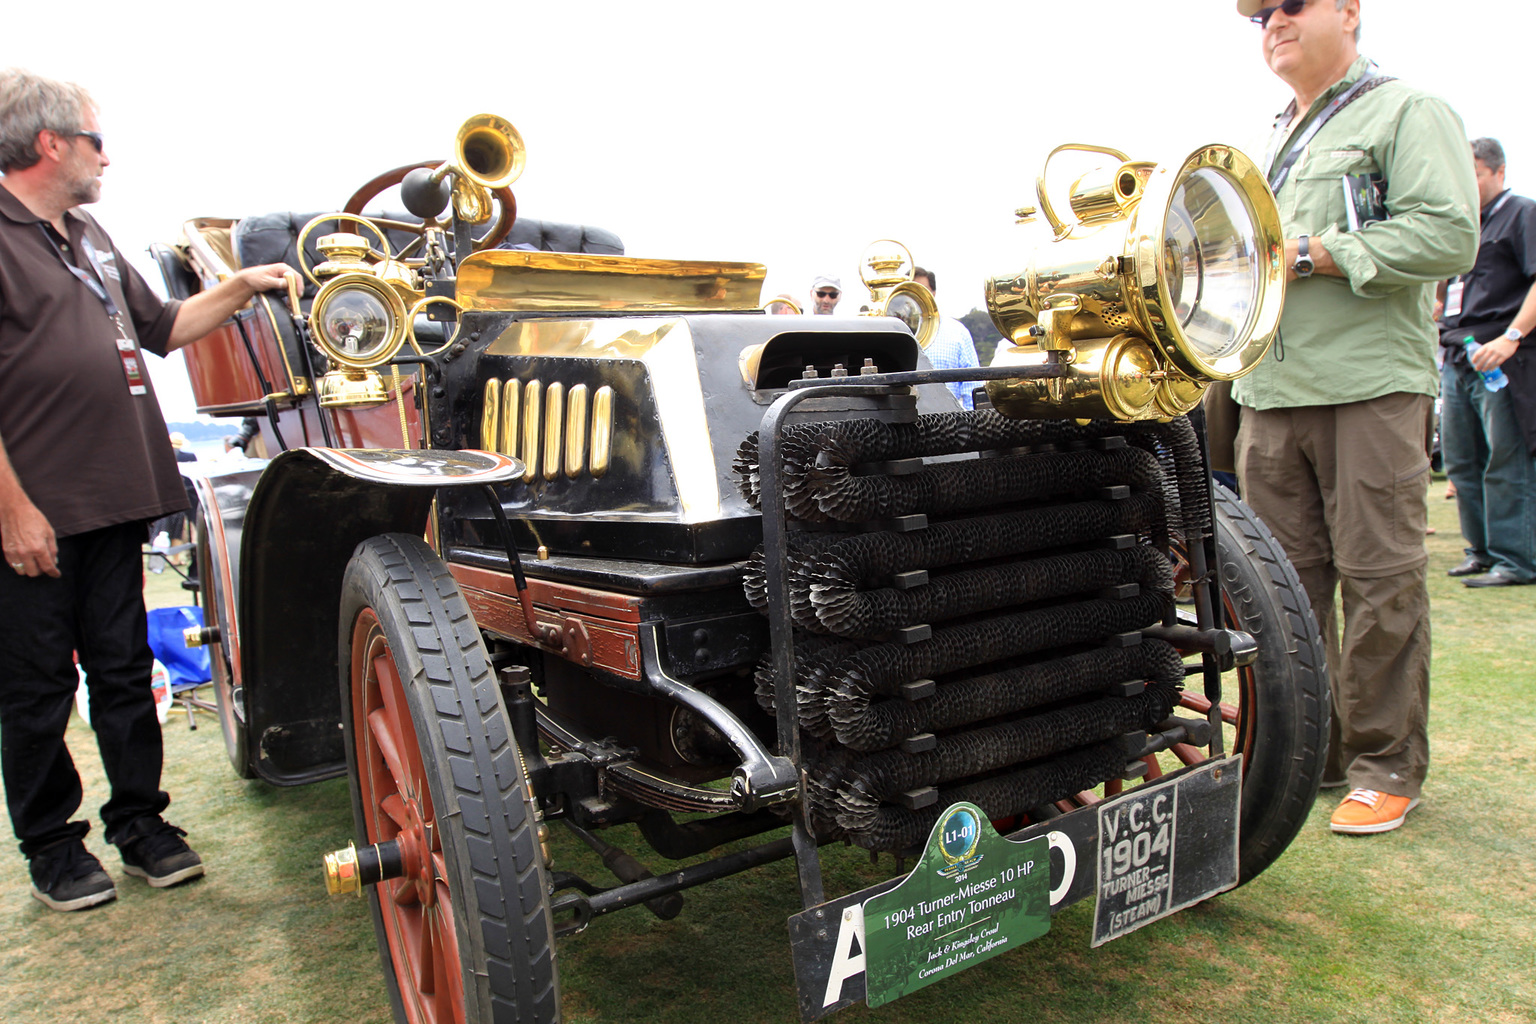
(66, 876)
(153, 850)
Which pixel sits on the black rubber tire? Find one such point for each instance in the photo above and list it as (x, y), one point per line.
(1282, 729)
(237, 744)
(499, 890)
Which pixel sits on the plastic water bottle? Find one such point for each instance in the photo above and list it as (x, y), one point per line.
(1493, 379)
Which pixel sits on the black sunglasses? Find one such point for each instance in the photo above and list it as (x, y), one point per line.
(97, 139)
(827, 295)
(1290, 7)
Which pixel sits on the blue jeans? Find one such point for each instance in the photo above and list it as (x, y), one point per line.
(1494, 474)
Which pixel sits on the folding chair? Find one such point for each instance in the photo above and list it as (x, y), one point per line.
(188, 667)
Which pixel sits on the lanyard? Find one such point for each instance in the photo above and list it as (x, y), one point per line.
(1277, 177)
(1496, 207)
(1457, 281)
(95, 284)
(127, 350)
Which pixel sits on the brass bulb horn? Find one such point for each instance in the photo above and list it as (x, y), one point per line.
(488, 153)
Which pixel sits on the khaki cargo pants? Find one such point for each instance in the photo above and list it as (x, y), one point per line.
(1343, 488)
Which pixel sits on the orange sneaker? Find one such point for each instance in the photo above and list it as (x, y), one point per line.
(1365, 811)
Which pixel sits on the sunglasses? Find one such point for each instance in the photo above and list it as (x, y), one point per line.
(97, 139)
(1290, 7)
(827, 295)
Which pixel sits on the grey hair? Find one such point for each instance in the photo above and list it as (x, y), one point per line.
(1338, 5)
(1489, 152)
(29, 104)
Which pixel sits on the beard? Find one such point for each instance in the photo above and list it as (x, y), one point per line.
(83, 187)
(87, 190)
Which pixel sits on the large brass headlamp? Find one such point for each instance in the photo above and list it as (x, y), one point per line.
(359, 322)
(886, 269)
(1164, 279)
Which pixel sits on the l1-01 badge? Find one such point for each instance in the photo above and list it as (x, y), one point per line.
(972, 896)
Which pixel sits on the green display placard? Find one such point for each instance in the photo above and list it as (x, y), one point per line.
(972, 896)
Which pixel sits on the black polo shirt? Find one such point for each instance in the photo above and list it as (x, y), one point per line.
(1495, 288)
(88, 453)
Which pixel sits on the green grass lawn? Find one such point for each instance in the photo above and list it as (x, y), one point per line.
(1431, 923)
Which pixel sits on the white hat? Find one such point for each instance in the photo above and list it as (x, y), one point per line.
(826, 281)
(178, 439)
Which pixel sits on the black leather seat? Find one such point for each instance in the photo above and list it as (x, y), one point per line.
(274, 238)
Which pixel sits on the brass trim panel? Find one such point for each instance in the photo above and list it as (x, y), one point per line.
(665, 346)
(504, 279)
(554, 421)
(533, 393)
(209, 244)
(511, 408)
(490, 415)
(602, 431)
(576, 431)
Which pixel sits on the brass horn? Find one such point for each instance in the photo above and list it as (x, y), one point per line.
(488, 151)
(488, 154)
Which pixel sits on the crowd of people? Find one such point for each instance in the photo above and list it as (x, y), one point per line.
(1332, 447)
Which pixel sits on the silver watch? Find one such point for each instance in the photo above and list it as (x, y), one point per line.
(1303, 265)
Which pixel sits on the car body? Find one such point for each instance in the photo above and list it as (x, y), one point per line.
(571, 538)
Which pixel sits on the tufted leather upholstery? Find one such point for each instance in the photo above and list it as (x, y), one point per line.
(274, 237)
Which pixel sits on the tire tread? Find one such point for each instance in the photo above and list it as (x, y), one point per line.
(504, 876)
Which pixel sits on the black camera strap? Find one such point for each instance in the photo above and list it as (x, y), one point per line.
(1368, 81)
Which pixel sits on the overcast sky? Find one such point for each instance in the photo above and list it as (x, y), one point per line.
(791, 137)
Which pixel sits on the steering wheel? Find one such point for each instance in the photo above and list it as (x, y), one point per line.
(499, 229)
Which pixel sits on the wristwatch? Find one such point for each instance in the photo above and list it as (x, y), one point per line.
(1303, 264)
(1514, 334)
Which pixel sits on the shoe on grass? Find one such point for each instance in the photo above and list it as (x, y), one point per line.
(1366, 811)
(1470, 566)
(66, 876)
(152, 849)
(1495, 579)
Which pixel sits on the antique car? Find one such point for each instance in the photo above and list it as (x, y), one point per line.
(545, 536)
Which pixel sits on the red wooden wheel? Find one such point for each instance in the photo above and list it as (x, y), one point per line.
(397, 805)
(1275, 711)
(465, 931)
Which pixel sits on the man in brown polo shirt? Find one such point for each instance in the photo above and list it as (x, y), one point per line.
(85, 463)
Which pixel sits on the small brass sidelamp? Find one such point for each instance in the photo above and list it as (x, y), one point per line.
(886, 269)
(1163, 279)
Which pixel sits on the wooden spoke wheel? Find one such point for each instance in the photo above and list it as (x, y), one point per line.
(465, 934)
(219, 613)
(1275, 711)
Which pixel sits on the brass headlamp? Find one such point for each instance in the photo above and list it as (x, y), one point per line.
(358, 318)
(886, 269)
(1165, 279)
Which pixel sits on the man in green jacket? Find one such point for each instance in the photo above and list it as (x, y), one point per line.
(1378, 204)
